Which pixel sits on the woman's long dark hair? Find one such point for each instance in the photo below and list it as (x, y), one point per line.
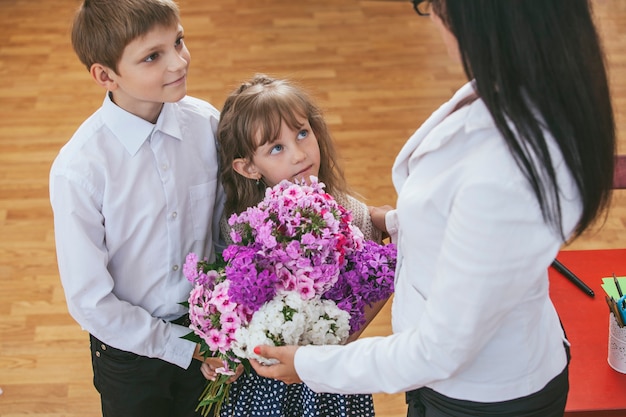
(542, 57)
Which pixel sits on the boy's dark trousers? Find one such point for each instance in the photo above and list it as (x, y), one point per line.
(136, 386)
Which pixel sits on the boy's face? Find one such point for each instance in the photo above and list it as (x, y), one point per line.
(152, 70)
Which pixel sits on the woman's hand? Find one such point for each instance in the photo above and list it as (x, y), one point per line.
(285, 370)
(210, 365)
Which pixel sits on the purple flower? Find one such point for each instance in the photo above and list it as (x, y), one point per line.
(248, 285)
(366, 278)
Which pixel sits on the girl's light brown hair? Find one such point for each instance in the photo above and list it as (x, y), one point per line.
(255, 111)
(103, 28)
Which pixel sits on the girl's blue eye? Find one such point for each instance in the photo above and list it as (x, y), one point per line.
(179, 41)
(276, 149)
(303, 134)
(151, 58)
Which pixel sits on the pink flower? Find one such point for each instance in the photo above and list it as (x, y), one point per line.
(224, 371)
(190, 268)
(230, 321)
(216, 340)
(293, 250)
(221, 300)
(305, 287)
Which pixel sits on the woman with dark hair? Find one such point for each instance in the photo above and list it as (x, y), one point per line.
(517, 163)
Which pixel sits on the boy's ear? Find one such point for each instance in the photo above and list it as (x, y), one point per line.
(103, 76)
(246, 168)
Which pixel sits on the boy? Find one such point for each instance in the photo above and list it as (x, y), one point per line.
(133, 192)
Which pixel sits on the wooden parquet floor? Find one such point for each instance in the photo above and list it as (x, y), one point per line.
(377, 69)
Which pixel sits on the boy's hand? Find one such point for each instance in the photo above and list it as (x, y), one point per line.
(197, 354)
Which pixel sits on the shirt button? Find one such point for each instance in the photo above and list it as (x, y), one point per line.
(103, 346)
(164, 167)
(175, 268)
(174, 215)
(97, 354)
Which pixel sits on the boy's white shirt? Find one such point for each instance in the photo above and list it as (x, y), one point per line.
(131, 200)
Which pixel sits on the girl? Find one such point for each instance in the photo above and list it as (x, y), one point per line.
(269, 131)
(515, 164)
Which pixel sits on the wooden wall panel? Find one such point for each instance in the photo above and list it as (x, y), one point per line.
(375, 67)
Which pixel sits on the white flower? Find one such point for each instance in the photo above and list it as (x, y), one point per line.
(289, 320)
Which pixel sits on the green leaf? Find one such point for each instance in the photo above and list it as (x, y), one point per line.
(191, 336)
(246, 365)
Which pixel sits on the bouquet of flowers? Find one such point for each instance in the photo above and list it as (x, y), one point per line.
(365, 278)
(298, 273)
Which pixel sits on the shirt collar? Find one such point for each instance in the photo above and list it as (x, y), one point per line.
(469, 118)
(132, 131)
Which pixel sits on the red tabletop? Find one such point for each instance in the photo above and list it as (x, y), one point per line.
(595, 387)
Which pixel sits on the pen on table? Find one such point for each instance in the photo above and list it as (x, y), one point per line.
(613, 309)
(570, 275)
(619, 290)
(610, 301)
(617, 313)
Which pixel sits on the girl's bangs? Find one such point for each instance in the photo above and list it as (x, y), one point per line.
(270, 116)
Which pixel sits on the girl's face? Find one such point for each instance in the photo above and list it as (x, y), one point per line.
(294, 155)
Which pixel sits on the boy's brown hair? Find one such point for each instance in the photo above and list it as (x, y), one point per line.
(103, 28)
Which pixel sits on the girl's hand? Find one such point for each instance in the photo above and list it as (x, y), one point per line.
(284, 370)
(378, 217)
(209, 366)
